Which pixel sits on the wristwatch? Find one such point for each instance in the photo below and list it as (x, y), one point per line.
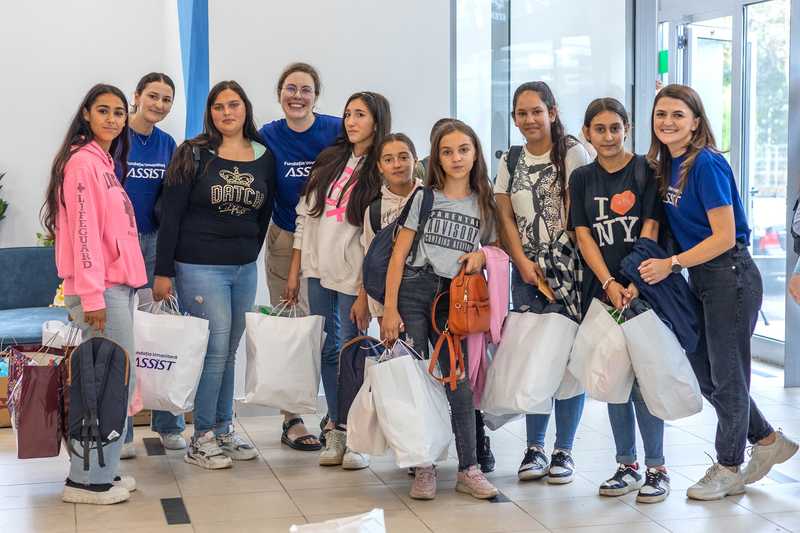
(676, 265)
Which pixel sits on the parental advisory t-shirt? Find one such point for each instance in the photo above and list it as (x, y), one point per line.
(453, 229)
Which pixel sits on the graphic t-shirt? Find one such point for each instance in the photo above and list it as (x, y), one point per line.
(453, 229)
(613, 207)
(709, 184)
(220, 217)
(295, 153)
(536, 194)
(148, 159)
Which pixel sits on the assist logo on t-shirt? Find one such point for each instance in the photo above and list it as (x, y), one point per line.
(297, 169)
(452, 230)
(673, 196)
(620, 205)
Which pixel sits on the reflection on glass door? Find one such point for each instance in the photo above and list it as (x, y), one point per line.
(764, 162)
(709, 71)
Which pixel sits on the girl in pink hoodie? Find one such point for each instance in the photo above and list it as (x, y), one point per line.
(97, 255)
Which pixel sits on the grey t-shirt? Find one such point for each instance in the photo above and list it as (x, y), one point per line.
(453, 229)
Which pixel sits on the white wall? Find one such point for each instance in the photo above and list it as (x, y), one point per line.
(52, 53)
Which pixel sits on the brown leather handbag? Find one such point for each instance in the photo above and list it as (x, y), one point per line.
(469, 313)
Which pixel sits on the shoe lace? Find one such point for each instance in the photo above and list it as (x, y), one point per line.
(652, 476)
(425, 475)
(713, 471)
(233, 438)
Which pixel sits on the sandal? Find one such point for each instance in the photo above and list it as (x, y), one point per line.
(298, 443)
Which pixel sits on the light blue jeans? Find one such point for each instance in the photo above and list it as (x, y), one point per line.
(221, 294)
(162, 422)
(119, 328)
(623, 425)
(335, 307)
(568, 412)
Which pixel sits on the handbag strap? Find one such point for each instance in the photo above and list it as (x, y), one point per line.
(456, 359)
(433, 312)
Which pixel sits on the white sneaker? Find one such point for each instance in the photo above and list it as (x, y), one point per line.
(173, 441)
(128, 451)
(236, 447)
(204, 452)
(335, 445)
(534, 465)
(766, 456)
(126, 482)
(718, 482)
(354, 460)
(78, 494)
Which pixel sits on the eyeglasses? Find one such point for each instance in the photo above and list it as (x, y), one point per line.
(305, 91)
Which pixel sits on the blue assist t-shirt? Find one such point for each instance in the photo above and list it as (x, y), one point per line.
(295, 153)
(148, 158)
(709, 185)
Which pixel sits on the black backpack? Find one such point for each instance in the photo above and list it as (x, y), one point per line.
(376, 260)
(98, 396)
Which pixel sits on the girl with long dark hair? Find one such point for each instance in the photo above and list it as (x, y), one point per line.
(532, 202)
(462, 196)
(217, 204)
(328, 250)
(709, 225)
(295, 140)
(98, 257)
(614, 202)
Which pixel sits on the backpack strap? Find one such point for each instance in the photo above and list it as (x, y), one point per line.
(512, 158)
(375, 214)
(424, 213)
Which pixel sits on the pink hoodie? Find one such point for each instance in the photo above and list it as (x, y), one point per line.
(97, 244)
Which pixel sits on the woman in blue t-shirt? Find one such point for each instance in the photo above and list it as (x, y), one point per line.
(150, 152)
(295, 140)
(708, 222)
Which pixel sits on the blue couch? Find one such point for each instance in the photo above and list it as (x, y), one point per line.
(28, 283)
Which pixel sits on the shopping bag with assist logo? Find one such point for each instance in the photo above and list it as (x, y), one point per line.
(170, 351)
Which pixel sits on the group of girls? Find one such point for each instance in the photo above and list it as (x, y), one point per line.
(191, 223)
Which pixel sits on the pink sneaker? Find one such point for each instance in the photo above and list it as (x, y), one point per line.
(472, 481)
(424, 487)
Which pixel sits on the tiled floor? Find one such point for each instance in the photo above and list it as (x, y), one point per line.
(283, 487)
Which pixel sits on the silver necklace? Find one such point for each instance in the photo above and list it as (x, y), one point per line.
(138, 136)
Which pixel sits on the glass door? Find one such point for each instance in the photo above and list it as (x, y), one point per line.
(764, 159)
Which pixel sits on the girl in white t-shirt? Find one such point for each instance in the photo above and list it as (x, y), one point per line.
(532, 203)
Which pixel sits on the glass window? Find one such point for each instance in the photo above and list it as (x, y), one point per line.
(765, 117)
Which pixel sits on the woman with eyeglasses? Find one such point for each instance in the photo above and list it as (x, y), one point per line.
(295, 140)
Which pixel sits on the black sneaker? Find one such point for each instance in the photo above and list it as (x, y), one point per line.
(485, 455)
(562, 468)
(534, 464)
(655, 488)
(626, 479)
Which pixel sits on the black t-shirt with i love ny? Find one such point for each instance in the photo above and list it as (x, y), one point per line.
(614, 209)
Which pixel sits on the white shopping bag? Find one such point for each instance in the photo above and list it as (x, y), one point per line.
(170, 353)
(283, 361)
(666, 379)
(600, 359)
(364, 433)
(412, 410)
(529, 365)
(371, 522)
(56, 334)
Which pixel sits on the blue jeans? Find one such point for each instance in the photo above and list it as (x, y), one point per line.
(119, 328)
(162, 422)
(623, 425)
(730, 291)
(335, 307)
(568, 412)
(221, 294)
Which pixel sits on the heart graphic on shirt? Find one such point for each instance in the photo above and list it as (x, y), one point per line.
(623, 202)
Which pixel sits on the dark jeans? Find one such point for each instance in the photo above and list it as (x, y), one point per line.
(569, 411)
(418, 289)
(730, 292)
